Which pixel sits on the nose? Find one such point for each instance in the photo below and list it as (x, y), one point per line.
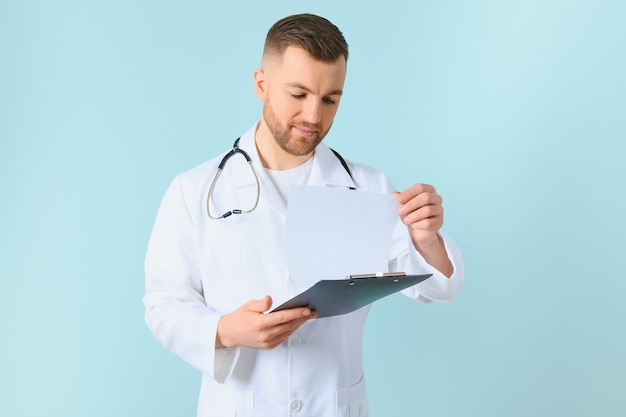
(312, 111)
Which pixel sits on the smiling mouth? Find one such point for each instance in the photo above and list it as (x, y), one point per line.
(305, 131)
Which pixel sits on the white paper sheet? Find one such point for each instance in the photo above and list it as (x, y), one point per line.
(332, 233)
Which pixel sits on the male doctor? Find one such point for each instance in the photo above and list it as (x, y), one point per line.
(210, 280)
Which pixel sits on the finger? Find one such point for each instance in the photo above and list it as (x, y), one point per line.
(428, 213)
(413, 191)
(259, 306)
(285, 316)
(279, 338)
(420, 201)
(282, 331)
(430, 224)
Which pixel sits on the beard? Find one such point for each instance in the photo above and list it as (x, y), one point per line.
(288, 142)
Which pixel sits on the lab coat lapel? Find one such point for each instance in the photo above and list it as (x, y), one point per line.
(244, 178)
(327, 170)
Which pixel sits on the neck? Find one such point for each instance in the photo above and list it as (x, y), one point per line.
(273, 156)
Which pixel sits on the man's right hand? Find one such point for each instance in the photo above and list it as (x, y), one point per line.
(249, 326)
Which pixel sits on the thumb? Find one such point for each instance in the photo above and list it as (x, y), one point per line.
(261, 305)
(399, 198)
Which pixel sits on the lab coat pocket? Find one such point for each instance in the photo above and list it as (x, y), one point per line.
(352, 401)
(225, 403)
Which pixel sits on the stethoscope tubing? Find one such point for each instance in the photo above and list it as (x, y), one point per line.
(235, 150)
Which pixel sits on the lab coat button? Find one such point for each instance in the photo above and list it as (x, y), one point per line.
(294, 342)
(295, 406)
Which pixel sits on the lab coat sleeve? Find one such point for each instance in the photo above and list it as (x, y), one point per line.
(176, 312)
(405, 258)
(438, 288)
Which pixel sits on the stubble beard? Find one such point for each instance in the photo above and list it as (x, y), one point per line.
(292, 144)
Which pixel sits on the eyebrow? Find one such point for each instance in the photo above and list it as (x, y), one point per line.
(303, 87)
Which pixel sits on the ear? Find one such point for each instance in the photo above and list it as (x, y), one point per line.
(260, 84)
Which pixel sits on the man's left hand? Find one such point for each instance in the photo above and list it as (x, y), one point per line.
(421, 210)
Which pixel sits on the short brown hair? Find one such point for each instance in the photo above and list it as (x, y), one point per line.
(316, 35)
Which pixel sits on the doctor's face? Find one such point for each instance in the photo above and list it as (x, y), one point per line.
(300, 98)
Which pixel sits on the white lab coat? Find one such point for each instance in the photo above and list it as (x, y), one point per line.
(198, 269)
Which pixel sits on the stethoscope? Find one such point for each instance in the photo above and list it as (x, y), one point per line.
(235, 150)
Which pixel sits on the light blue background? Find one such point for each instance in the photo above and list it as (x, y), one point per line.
(516, 111)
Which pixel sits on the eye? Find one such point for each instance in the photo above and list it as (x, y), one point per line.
(297, 96)
(329, 100)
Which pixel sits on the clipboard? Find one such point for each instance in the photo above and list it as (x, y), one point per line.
(336, 297)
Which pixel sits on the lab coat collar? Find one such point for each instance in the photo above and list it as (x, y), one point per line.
(327, 170)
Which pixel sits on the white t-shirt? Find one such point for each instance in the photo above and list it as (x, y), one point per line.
(283, 179)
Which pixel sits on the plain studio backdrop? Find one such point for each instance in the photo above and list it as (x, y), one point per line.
(514, 110)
